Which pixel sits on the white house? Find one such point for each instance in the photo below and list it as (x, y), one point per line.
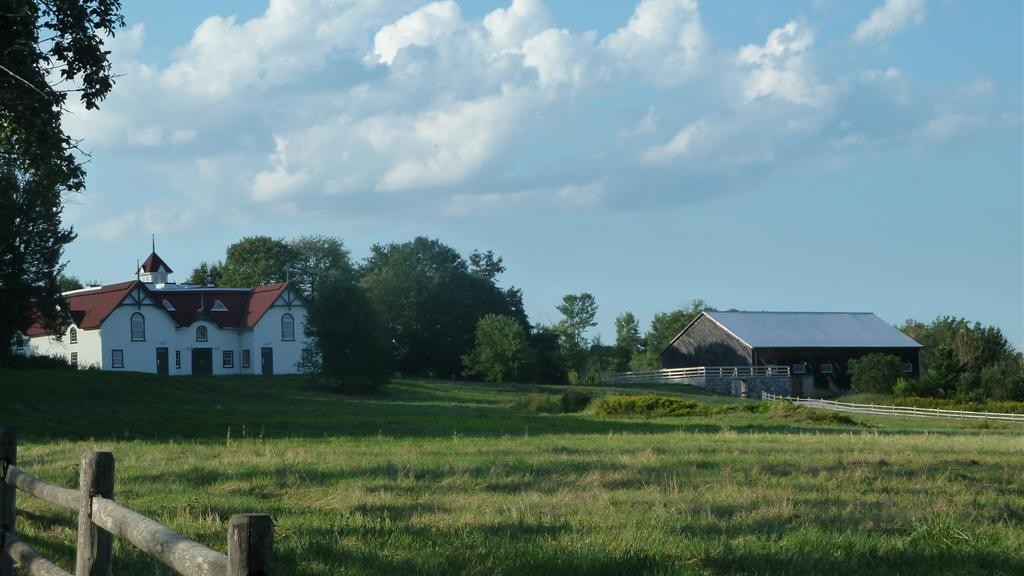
(153, 325)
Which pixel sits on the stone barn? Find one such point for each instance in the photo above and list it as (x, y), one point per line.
(816, 346)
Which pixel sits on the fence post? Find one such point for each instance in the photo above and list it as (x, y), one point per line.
(250, 545)
(8, 513)
(95, 545)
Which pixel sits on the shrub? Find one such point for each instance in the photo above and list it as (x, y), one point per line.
(39, 362)
(574, 400)
(656, 406)
(875, 373)
(782, 410)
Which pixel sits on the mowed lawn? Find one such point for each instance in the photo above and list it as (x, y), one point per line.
(438, 477)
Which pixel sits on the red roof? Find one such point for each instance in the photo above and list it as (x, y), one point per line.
(89, 308)
(263, 297)
(245, 307)
(153, 263)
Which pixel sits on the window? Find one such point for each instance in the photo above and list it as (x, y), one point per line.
(246, 360)
(908, 368)
(826, 368)
(799, 368)
(287, 328)
(117, 358)
(229, 358)
(201, 334)
(219, 306)
(168, 306)
(177, 359)
(73, 335)
(74, 359)
(138, 327)
(307, 358)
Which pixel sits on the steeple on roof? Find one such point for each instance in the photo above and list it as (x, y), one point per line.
(153, 263)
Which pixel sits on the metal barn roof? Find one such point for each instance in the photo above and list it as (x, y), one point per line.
(812, 330)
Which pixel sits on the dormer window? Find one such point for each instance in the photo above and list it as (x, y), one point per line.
(73, 335)
(201, 334)
(167, 305)
(218, 306)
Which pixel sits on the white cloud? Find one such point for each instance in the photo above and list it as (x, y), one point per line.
(463, 205)
(947, 126)
(779, 68)
(681, 144)
(559, 58)
(509, 27)
(586, 194)
(452, 144)
(890, 18)
(663, 38)
(418, 28)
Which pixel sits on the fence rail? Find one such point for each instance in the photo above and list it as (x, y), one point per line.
(883, 410)
(670, 375)
(100, 518)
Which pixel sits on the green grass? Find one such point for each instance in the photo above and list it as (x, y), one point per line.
(439, 477)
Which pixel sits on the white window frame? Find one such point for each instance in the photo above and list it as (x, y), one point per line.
(246, 358)
(74, 359)
(202, 334)
(826, 368)
(138, 335)
(117, 358)
(287, 334)
(908, 368)
(228, 359)
(799, 368)
(218, 306)
(177, 359)
(73, 335)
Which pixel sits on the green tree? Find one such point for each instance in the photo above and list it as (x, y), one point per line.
(256, 260)
(316, 260)
(32, 240)
(627, 340)
(205, 274)
(39, 42)
(501, 352)
(69, 283)
(966, 361)
(486, 265)
(875, 373)
(345, 328)
(664, 328)
(430, 303)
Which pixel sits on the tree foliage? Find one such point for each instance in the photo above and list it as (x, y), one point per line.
(501, 352)
(664, 327)
(69, 283)
(48, 49)
(966, 361)
(205, 274)
(430, 303)
(347, 332)
(627, 340)
(32, 240)
(317, 259)
(875, 373)
(256, 260)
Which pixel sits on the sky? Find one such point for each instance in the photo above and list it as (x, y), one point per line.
(815, 155)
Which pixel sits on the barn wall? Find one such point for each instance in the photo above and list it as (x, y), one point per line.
(706, 343)
(839, 357)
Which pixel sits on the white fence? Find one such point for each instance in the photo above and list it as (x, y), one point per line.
(678, 374)
(894, 410)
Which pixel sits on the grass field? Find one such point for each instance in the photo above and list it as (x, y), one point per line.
(436, 477)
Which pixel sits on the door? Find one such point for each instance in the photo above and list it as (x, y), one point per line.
(161, 361)
(266, 361)
(202, 361)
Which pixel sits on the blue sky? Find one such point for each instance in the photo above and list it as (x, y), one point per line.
(807, 155)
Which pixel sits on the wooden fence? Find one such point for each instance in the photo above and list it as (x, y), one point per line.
(250, 536)
(670, 375)
(893, 410)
